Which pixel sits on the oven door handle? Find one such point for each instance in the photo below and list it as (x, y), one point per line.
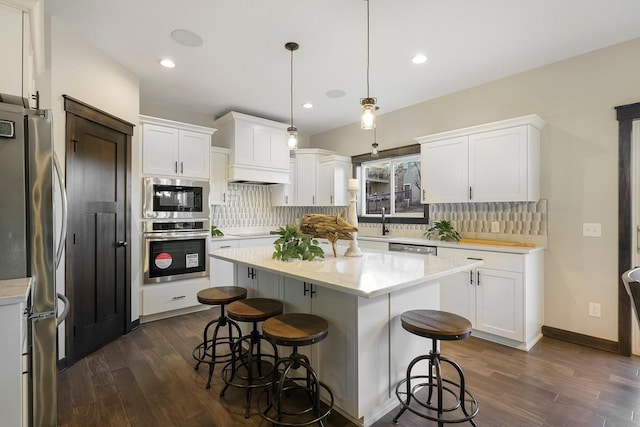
(175, 235)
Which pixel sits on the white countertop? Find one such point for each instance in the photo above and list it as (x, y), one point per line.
(13, 291)
(375, 273)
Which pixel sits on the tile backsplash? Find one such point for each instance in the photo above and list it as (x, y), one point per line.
(249, 206)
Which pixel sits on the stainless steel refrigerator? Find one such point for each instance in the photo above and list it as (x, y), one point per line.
(27, 242)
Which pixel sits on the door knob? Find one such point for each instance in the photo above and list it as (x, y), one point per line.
(121, 243)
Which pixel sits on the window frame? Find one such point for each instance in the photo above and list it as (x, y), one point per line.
(398, 152)
(392, 162)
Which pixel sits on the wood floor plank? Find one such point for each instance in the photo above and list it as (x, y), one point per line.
(146, 378)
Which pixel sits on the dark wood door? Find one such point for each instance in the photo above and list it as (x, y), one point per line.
(96, 237)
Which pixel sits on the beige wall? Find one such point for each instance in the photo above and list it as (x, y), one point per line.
(576, 97)
(76, 68)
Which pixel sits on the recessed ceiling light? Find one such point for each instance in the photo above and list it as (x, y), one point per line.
(307, 105)
(335, 93)
(167, 63)
(419, 59)
(186, 38)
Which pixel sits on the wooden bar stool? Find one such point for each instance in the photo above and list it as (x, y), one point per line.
(436, 325)
(206, 352)
(249, 367)
(283, 403)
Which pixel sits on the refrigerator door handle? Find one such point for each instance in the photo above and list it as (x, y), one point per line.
(65, 311)
(63, 196)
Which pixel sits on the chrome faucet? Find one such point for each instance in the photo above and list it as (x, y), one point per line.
(385, 230)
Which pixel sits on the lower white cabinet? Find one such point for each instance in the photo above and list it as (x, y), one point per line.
(503, 300)
(221, 272)
(165, 297)
(12, 391)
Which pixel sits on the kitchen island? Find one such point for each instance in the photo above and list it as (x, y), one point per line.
(366, 351)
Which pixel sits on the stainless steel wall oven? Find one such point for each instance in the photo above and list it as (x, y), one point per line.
(175, 250)
(165, 198)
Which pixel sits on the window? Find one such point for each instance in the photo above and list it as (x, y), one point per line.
(393, 184)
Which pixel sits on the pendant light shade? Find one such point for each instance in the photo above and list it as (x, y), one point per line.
(292, 131)
(368, 115)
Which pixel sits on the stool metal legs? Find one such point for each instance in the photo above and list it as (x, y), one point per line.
(206, 352)
(285, 384)
(420, 407)
(247, 369)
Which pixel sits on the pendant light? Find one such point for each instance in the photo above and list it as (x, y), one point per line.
(368, 115)
(374, 146)
(292, 131)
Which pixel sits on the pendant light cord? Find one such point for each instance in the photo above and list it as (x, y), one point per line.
(291, 99)
(367, 48)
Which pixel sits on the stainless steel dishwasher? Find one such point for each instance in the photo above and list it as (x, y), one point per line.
(413, 249)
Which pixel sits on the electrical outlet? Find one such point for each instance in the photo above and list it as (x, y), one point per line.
(591, 229)
(594, 309)
(495, 226)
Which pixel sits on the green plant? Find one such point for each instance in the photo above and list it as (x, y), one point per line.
(444, 230)
(216, 232)
(293, 244)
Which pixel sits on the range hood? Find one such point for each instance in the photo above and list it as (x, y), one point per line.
(259, 153)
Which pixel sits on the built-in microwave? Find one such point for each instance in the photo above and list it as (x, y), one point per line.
(168, 198)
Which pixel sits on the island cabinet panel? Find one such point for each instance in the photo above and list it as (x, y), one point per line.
(503, 300)
(221, 272)
(334, 358)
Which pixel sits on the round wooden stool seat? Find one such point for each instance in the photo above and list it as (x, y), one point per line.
(435, 324)
(295, 329)
(221, 295)
(254, 309)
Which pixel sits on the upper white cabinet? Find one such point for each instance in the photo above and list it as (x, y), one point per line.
(258, 147)
(22, 46)
(285, 194)
(218, 163)
(321, 178)
(333, 176)
(495, 162)
(175, 149)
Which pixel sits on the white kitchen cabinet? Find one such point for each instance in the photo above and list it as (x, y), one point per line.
(259, 151)
(495, 162)
(13, 337)
(218, 163)
(221, 273)
(175, 149)
(285, 194)
(165, 297)
(334, 357)
(22, 46)
(333, 176)
(11, 46)
(503, 299)
(307, 175)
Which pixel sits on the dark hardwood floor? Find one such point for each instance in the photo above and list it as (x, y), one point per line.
(146, 378)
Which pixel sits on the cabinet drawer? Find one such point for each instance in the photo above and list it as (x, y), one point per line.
(214, 244)
(171, 296)
(492, 260)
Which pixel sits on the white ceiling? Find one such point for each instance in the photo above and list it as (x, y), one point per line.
(243, 65)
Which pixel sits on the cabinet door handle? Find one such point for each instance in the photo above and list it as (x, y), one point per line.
(477, 278)
(313, 200)
(251, 273)
(470, 193)
(176, 166)
(305, 289)
(224, 197)
(470, 277)
(224, 247)
(286, 200)
(330, 199)
(178, 297)
(424, 197)
(181, 167)
(313, 290)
